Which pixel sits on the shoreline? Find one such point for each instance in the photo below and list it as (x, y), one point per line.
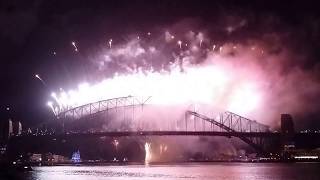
(168, 163)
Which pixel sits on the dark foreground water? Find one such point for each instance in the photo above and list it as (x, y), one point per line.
(216, 171)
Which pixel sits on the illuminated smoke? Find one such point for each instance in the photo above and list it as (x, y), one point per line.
(206, 85)
(244, 77)
(180, 82)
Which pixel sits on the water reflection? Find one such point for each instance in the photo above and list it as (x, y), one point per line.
(217, 171)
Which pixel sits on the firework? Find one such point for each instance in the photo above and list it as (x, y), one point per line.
(179, 83)
(168, 88)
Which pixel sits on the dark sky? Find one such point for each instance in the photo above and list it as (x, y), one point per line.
(31, 30)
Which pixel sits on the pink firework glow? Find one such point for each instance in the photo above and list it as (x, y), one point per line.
(238, 77)
(207, 84)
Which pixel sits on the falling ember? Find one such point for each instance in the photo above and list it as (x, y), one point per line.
(37, 76)
(179, 43)
(75, 46)
(148, 156)
(213, 47)
(110, 43)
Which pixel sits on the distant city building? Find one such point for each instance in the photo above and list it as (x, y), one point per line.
(17, 128)
(5, 130)
(59, 159)
(3, 150)
(35, 158)
(49, 158)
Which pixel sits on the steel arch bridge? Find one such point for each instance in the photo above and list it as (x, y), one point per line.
(193, 123)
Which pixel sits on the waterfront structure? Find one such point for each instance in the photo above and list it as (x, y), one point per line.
(16, 128)
(5, 130)
(287, 130)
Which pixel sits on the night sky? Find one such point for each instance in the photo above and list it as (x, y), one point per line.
(31, 31)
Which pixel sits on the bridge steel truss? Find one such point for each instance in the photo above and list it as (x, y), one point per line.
(233, 123)
(102, 106)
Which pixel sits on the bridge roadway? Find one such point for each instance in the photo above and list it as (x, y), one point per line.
(315, 137)
(156, 133)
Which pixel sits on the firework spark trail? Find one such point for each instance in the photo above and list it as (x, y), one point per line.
(39, 77)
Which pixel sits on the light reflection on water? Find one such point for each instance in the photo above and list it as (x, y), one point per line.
(219, 171)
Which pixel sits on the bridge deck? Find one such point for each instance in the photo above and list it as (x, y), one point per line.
(160, 133)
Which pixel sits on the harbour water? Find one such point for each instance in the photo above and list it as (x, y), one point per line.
(203, 171)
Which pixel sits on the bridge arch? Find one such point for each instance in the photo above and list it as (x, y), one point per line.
(233, 123)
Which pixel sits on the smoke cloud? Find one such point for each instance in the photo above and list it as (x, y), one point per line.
(267, 66)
